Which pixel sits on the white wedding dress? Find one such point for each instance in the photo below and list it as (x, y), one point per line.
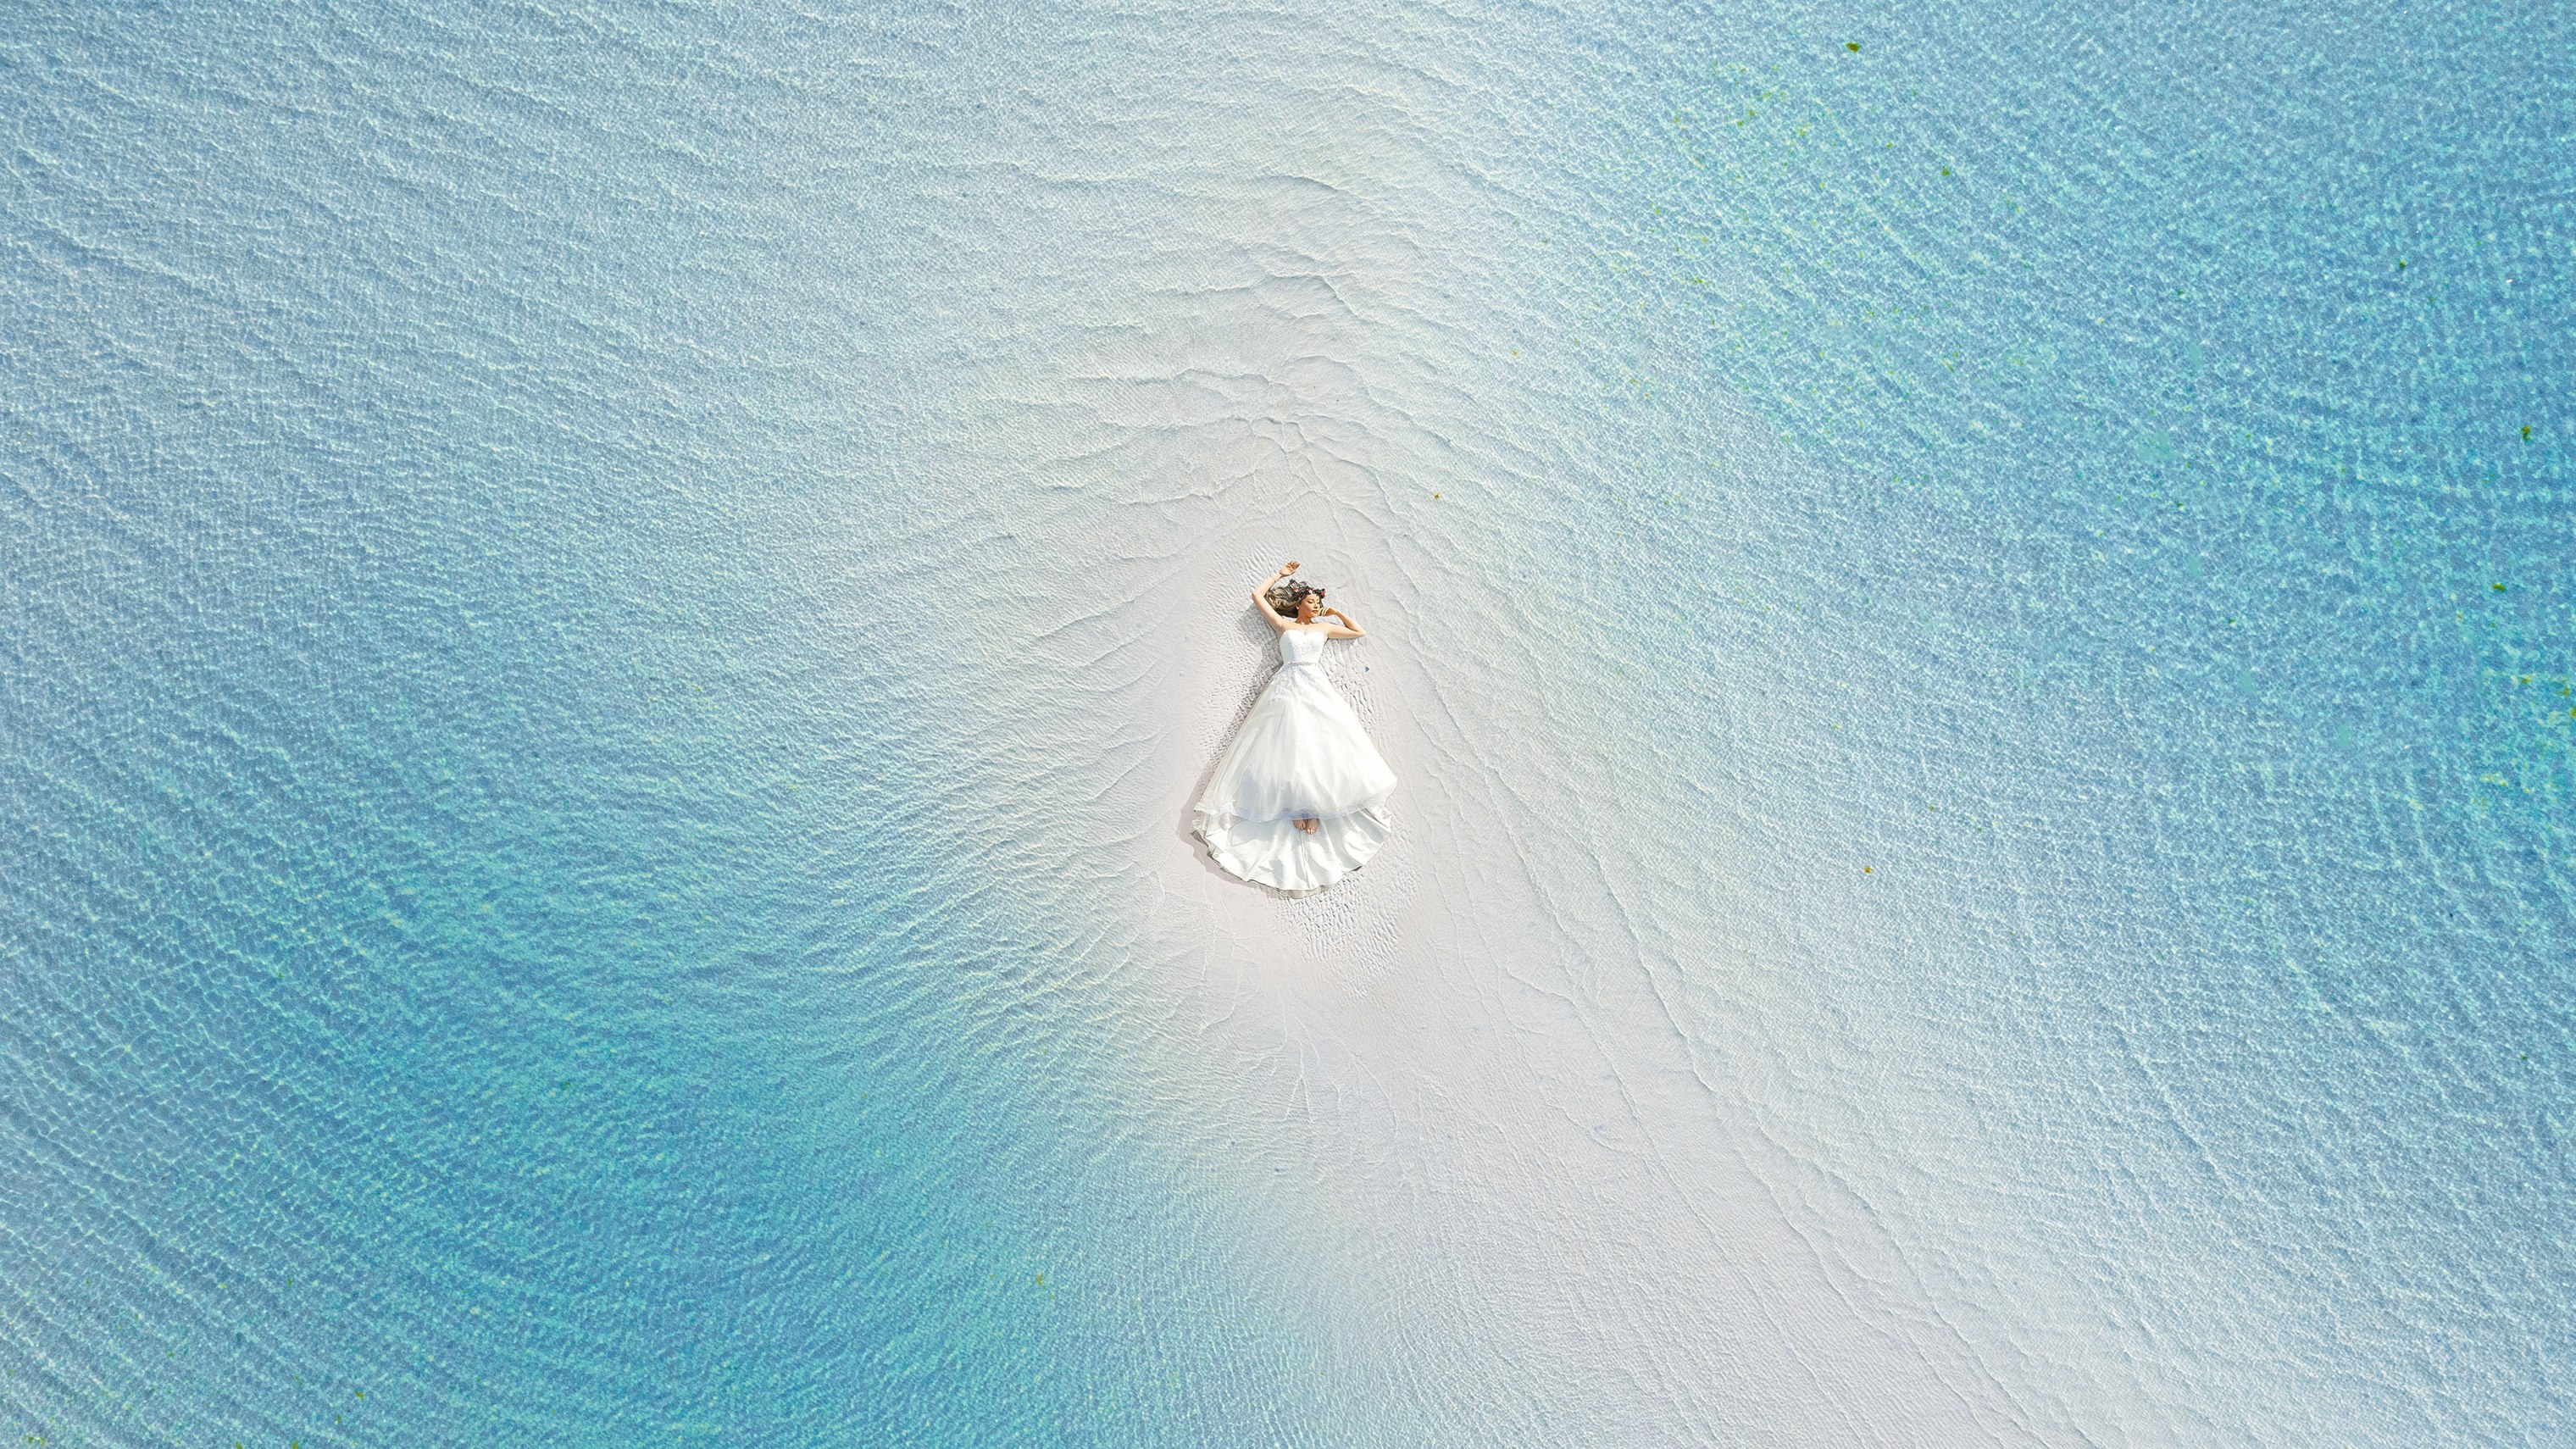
(1300, 754)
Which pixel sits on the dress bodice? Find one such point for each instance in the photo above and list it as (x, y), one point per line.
(1301, 646)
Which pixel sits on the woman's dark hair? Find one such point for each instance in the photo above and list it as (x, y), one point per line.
(1285, 594)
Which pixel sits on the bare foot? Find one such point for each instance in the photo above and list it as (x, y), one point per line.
(1307, 824)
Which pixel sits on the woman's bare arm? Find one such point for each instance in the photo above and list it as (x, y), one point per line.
(1261, 595)
(1345, 629)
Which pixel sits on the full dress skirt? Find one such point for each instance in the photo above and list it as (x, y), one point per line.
(1301, 753)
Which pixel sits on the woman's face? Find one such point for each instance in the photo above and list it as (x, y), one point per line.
(1306, 607)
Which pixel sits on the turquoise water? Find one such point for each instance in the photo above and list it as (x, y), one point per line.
(588, 777)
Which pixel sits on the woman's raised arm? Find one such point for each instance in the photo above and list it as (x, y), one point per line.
(1346, 629)
(1261, 595)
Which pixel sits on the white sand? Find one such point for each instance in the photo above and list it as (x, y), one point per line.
(1514, 1087)
(1580, 1113)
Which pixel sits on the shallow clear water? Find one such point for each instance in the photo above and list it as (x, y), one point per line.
(610, 614)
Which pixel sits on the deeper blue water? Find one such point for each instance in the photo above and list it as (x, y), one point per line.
(520, 775)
